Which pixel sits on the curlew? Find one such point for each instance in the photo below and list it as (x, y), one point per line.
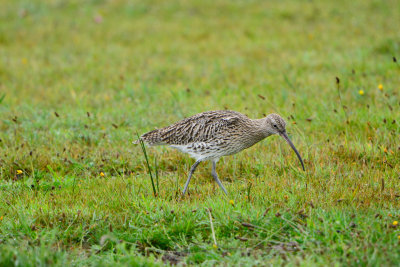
(210, 135)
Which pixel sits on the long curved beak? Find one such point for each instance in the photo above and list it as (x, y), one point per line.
(284, 135)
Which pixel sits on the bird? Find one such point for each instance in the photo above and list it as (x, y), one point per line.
(210, 135)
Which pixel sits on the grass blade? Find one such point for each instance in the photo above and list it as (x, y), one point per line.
(156, 166)
(2, 98)
(147, 163)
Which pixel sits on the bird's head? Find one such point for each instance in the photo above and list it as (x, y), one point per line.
(275, 124)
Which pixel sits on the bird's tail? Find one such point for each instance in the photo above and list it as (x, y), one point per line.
(136, 142)
(152, 138)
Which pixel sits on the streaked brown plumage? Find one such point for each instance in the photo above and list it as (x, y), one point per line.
(213, 134)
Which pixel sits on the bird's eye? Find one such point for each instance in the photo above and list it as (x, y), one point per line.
(275, 125)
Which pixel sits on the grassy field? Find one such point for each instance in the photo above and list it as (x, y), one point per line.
(79, 80)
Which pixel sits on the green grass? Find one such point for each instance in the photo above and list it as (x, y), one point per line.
(79, 79)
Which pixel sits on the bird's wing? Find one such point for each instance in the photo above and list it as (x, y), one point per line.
(201, 127)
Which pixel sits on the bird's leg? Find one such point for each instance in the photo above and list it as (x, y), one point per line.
(215, 175)
(192, 169)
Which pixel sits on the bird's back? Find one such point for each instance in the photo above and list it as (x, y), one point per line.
(202, 127)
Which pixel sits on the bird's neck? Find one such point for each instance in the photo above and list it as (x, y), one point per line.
(253, 132)
(261, 128)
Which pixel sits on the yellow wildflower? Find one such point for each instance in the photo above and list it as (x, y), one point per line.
(380, 87)
(395, 223)
(361, 92)
(19, 171)
(215, 246)
(1, 218)
(24, 61)
(102, 174)
(231, 202)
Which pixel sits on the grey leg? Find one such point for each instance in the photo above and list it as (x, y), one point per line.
(192, 169)
(215, 175)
